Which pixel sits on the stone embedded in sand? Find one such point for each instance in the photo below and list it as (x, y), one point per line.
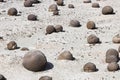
(66, 55)
(28, 3)
(32, 17)
(113, 66)
(107, 10)
(12, 12)
(89, 67)
(93, 39)
(71, 6)
(45, 78)
(74, 23)
(24, 49)
(50, 29)
(55, 12)
(12, 45)
(34, 61)
(112, 52)
(53, 7)
(60, 2)
(58, 28)
(91, 25)
(95, 5)
(116, 38)
(111, 58)
(87, 1)
(2, 77)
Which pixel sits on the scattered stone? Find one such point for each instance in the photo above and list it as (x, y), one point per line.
(71, 6)
(66, 55)
(90, 67)
(95, 5)
(74, 23)
(107, 10)
(12, 45)
(113, 66)
(53, 7)
(50, 29)
(93, 39)
(116, 38)
(91, 25)
(32, 17)
(58, 28)
(34, 61)
(12, 12)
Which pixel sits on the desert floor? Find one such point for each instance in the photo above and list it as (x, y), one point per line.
(31, 34)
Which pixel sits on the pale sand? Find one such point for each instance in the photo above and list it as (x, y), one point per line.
(18, 28)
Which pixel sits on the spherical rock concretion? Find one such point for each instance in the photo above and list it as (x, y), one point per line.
(87, 1)
(93, 39)
(74, 23)
(107, 10)
(53, 7)
(58, 28)
(2, 77)
(91, 25)
(111, 58)
(60, 2)
(50, 29)
(95, 5)
(34, 61)
(89, 67)
(66, 55)
(113, 66)
(12, 45)
(71, 6)
(32, 17)
(45, 78)
(116, 38)
(28, 3)
(12, 12)
(113, 52)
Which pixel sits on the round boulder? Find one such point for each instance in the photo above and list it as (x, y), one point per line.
(113, 66)
(32, 17)
(66, 55)
(90, 67)
(53, 7)
(34, 60)
(116, 38)
(93, 39)
(58, 28)
(91, 25)
(12, 45)
(50, 29)
(74, 23)
(107, 10)
(95, 5)
(12, 12)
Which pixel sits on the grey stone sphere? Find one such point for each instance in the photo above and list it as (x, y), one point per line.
(34, 60)
(89, 67)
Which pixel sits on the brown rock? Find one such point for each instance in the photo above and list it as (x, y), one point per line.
(113, 66)
(34, 61)
(12, 45)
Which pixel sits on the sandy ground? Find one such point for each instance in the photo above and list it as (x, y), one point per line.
(31, 34)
